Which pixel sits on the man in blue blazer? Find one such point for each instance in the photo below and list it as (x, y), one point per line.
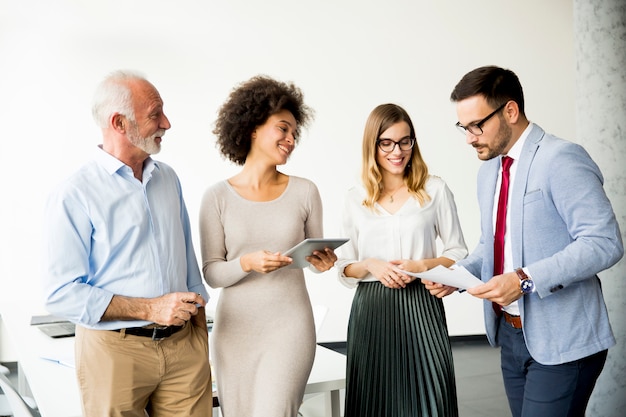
(546, 309)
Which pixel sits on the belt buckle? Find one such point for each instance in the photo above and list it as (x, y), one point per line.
(155, 332)
(513, 321)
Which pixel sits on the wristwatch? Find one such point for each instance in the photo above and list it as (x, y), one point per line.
(526, 284)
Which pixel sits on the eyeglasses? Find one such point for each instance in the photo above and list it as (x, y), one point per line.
(476, 129)
(388, 145)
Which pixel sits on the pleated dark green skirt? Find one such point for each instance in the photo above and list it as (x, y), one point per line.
(399, 356)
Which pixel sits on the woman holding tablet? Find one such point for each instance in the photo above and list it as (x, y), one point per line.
(263, 339)
(399, 355)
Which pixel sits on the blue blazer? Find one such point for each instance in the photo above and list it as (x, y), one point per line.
(563, 229)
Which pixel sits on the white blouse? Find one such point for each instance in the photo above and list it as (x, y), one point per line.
(410, 233)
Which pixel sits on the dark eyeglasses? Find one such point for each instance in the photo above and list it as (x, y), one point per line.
(388, 145)
(476, 129)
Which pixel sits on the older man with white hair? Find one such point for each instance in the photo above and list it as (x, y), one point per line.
(119, 262)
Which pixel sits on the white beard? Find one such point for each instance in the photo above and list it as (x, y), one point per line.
(149, 144)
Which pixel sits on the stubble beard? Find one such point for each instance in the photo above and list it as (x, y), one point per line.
(502, 140)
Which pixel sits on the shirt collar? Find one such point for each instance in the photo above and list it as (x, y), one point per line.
(516, 150)
(112, 165)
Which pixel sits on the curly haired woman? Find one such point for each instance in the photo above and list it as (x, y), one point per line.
(263, 340)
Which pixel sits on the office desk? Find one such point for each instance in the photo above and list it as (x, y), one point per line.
(55, 389)
(328, 376)
(53, 386)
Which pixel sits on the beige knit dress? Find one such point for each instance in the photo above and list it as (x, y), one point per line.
(263, 339)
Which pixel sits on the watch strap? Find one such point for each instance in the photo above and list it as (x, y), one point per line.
(525, 282)
(521, 274)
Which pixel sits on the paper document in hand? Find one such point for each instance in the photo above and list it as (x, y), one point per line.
(459, 277)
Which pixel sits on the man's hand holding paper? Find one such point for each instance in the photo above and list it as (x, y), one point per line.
(441, 281)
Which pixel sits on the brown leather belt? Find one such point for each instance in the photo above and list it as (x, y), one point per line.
(514, 321)
(155, 333)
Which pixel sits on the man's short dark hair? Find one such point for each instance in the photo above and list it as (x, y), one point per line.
(497, 85)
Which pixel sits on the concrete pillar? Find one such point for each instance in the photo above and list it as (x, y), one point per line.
(600, 51)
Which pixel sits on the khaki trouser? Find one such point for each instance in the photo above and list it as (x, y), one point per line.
(120, 374)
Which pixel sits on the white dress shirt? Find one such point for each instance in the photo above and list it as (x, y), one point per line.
(409, 233)
(514, 153)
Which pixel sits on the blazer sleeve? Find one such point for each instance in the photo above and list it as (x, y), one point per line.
(570, 232)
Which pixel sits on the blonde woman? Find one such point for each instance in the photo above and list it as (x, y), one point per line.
(399, 356)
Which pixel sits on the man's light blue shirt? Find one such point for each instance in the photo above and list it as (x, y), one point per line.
(106, 233)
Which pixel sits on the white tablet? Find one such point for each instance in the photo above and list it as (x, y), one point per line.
(305, 248)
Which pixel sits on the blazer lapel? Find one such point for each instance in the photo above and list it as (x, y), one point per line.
(516, 203)
(487, 178)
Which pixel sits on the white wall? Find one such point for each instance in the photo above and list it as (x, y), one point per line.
(347, 55)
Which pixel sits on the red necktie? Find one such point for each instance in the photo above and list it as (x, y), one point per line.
(498, 239)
